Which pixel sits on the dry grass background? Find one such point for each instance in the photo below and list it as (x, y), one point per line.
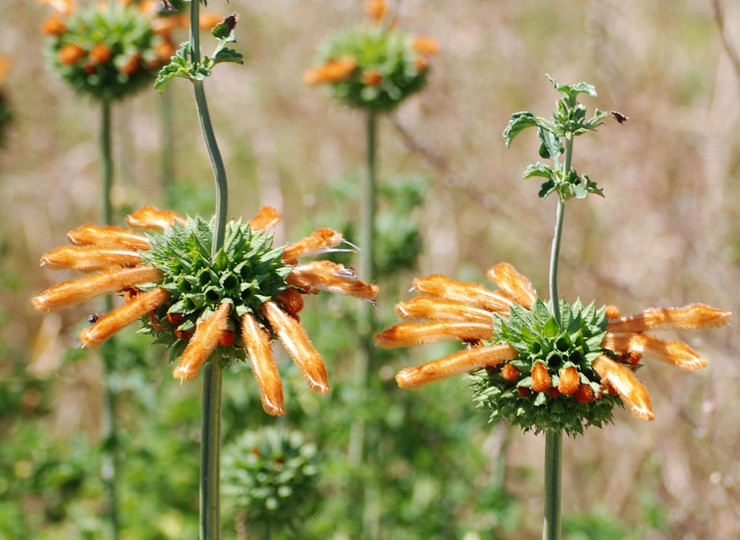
(667, 233)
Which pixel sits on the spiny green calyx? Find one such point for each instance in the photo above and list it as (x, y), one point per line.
(540, 394)
(246, 272)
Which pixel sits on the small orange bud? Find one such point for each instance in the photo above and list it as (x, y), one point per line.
(510, 372)
(70, 54)
(291, 300)
(612, 312)
(371, 77)
(100, 53)
(540, 378)
(569, 381)
(524, 391)
(174, 318)
(130, 67)
(421, 62)
(375, 9)
(553, 392)
(584, 394)
(183, 334)
(53, 26)
(227, 339)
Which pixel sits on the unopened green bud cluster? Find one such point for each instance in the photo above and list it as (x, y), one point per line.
(271, 475)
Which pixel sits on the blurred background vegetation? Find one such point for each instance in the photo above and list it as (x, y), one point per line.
(667, 233)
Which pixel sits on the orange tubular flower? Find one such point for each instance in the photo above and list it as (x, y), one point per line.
(333, 71)
(425, 45)
(100, 53)
(606, 355)
(207, 308)
(375, 9)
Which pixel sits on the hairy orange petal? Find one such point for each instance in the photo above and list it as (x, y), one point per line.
(425, 45)
(332, 71)
(424, 307)
(110, 235)
(408, 334)
(512, 282)
(149, 217)
(204, 341)
(318, 242)
(296, 342)
(620, 378)
(458, 291)
(89, 258)
(257, 342)
(675, 353)
(330, 277)
(112, 322)
(266, 217)
(454, 364)
(691, 317)
(87, 288)
(569, 381)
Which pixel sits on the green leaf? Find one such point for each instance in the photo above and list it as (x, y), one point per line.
(551, 146)
(228, 55)
(518, 123)
(539, 169)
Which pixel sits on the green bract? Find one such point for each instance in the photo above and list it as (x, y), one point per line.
(377, 50)
(246, 272)
(568, 121)
(271, 475)
(538, 338)
(126, 33)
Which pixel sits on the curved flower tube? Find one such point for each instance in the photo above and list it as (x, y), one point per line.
(205, 308)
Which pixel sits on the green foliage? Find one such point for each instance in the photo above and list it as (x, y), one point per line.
(182, 65)
(246, 272)
(539, 339)
(270, 476)
(126, 34)
(385, 53)
(556, 140)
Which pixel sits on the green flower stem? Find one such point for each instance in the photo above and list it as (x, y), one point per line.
(210, 449)
(210, 453)
(554, 439)
(364, 359)
(168, 146)
(553, 461)
(110, 452)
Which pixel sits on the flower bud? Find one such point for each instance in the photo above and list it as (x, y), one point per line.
(510, 372)
(540, 378)
(569, 381)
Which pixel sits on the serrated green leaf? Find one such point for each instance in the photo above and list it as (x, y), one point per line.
(228, 55)
(538, 170)
(551, 146)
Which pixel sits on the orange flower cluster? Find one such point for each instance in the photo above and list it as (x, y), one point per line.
(114, 255)
(448, 309)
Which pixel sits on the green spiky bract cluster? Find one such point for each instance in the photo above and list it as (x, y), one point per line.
(385, 51)
(127, 33)
(271, 476)
(247, 271)
(537, 337)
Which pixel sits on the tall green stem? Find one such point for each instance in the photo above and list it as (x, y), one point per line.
(110, 454)
(553, 462)
(554, 439)
(364, 358)
(210, 458)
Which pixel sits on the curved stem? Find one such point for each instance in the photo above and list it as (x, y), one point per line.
(106, 157)
(219, 171)
(210, 449)
(553, 461)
